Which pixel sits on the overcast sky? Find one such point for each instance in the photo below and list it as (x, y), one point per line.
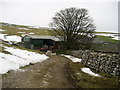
(40, 12)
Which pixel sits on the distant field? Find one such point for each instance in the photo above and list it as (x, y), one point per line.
(20, 30)
(107, 32)
(106, 39)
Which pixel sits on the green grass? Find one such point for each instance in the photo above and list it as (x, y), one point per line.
(60, 52)
(2, 49)
(106, 39)
(110, 48)
(12, 29)
(83, 80)
(106, 32)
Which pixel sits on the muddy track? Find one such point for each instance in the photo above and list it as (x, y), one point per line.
(48, 74)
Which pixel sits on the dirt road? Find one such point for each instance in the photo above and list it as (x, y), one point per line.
(48, 74)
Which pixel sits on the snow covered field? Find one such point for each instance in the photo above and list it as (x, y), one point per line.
(13, 38)
(18, 58)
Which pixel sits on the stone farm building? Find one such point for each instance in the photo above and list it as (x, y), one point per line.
(37, 41)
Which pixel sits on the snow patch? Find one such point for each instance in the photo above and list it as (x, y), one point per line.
(23, 35)
(88, 71)
(53, 54)
(10, 62)
(13, 38)
(24, 28)
(2, 30)
(114, 36)
(31, 56)
(18, 58)
(21, 32)
(31, 33)
(72, 58)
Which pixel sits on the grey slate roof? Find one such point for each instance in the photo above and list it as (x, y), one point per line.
(44, 37)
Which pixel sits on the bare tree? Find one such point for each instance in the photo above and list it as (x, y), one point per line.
(72, 25)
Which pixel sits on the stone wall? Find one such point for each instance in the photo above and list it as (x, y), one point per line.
(100, 62)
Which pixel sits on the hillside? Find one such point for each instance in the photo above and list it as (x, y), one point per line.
(20, 30)
(27, 68)
(13, 33)
(14, 56)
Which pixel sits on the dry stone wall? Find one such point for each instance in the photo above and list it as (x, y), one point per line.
(100, 62)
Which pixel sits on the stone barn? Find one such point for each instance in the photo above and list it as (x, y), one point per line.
(38, 41)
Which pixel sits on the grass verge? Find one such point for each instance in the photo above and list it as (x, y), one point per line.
(58, 52)
(83, 80)
(106, 39)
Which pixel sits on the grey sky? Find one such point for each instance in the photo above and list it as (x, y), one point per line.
(40, 12)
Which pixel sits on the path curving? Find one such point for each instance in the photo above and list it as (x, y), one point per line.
(48, 74)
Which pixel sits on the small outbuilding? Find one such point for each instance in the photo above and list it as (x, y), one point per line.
(38, 41)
